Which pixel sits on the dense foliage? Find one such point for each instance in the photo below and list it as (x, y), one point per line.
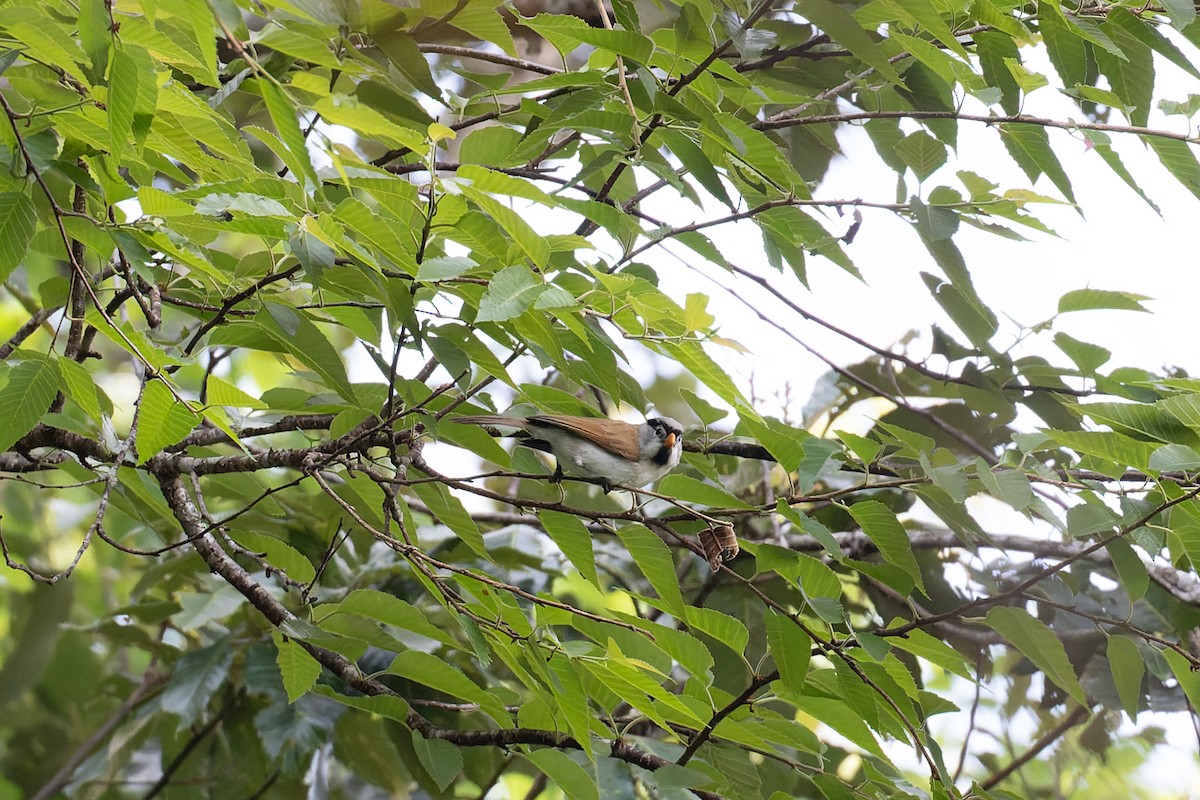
(257, 256)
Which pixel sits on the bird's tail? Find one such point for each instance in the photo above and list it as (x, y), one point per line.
(492, 421)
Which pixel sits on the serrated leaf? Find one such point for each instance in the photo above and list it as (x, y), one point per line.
(299, 336)
(1091, 299)
(381, 607)
(31, 388)
(1039, 644)
(880, 524)
(162, 420)
(283, 116)
(842, 28)
(223, 393)
(78, 385)
(510, 292)
(125, 73)
(1174, 458)
(1128, 667)
(1029, 145)
(429, 670)
(1146, 421)
(1179, 160)
(935, 651)
(727, 630)
(1188, 677)
(690, 490)
(199, 675)
(1088, 357)
(791, 648)
(1130, 569)
(94, 34)
(572, 537)
(921, 153)
(298, 669)
(654, 560)
(385, 705)
(18, 221)
(278, 554)
(441, 759)
(565, 774)
(449, 510)
(568, 32)
(530, 242)
(1130, 71)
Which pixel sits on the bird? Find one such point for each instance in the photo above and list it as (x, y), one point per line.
(609, 450)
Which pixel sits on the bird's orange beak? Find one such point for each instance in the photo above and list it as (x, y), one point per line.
(670, 440)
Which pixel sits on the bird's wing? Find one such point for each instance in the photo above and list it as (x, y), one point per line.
(617, 437)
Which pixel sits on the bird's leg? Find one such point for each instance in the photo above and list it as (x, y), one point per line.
(558, 476)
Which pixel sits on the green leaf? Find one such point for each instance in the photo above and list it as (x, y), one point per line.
(298, 669)
(784, 442)
(1118, 448)
(1131, 73)
(935, 651)
(1179, 160)
(1039, 644)
(381, 607)
(198, 676)
(449, 510)
(1146, 35)
(385, 705)
(699, 165)
(283, 116)
(1143, 421)
(690, 490)
(1088, 357)
(1029, 145)
(1174, 458)
(705, 411)
(94, 34)
(278, 553)
(299, 336)
(1185, 523)
(1130, 569)
(162, 420)
(18, 221)
(728, 630)
(575, 541)
(1188, 677)
(1184, 407)
(791, 648)
(78, 385)
(565, 774)
(441, 759)
(922, 153)
(692, 356)
(510, 293)
(1091, 299)
(530, 242)
(429, 670)
(844, 29)
(884, 529)
(131, 89)
(568, 32)
(1128, 667)
(654, 560)
(31, 388)
(224, 393)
